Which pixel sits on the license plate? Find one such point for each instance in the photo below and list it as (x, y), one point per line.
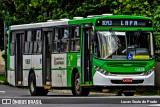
(127, 80)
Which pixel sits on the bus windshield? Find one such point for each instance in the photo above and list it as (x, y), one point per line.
(117, 45)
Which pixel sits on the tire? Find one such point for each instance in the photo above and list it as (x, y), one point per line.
(128, 93)
(36, 91)
(78, 90)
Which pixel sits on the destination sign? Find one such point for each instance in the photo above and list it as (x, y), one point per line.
(124, 22)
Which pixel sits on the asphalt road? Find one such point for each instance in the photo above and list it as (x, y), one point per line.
(10, 91)
(17, 97)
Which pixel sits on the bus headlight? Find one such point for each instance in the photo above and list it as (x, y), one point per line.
(148, 72)
(104, 72)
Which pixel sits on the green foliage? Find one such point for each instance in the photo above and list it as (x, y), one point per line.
(149, 91)
(3, 79)
(135, 7)
(28, 11)
(156, 17)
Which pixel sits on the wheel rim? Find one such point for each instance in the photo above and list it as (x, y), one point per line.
(77, 85)
(32, 86)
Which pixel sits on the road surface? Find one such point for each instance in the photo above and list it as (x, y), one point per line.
(18, 97)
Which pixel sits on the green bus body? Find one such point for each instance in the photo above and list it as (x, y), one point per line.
(94, 70)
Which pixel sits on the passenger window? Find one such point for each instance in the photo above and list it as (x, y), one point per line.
(37, 42)
(28, 42)
(75, 39)
(65, 39)
(56, 41)
(12, 43)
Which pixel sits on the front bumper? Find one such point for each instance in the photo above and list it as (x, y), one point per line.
(116, 80)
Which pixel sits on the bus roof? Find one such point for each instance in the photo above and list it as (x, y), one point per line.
(39, 25)
(95, 17)
(90, 19)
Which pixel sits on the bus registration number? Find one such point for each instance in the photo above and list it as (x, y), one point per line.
(127, 80)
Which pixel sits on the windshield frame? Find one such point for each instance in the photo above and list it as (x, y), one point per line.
(124, 57)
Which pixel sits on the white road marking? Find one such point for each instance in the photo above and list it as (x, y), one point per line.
(2, 91)
(154, 105)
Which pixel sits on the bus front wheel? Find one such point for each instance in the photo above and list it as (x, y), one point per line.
(36, 91)
(77, 89)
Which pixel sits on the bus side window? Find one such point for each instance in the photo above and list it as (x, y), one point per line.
(12, 42)
(28, 43)
(65, 39)
(75, 39)
(65, 33)
(56, 40)
(38, 35)
(37, 42)
(76, 32)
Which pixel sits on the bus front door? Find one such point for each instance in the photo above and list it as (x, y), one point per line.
(19, 58)
(86, 55)
(46, 57)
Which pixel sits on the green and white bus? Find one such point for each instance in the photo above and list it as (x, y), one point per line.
(100, 51)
